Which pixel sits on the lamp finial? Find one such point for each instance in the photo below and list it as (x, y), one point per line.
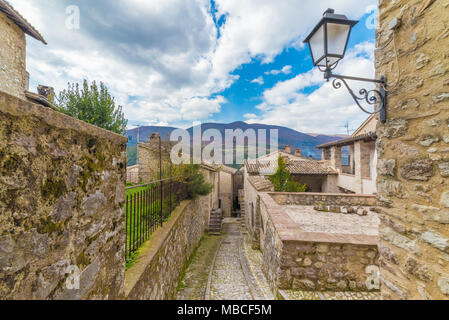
(329, 11)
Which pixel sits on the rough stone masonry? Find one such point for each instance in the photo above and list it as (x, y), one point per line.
(62, 188)
(13, 75)
(413, 148)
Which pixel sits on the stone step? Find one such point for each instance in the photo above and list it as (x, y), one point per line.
(217, 225)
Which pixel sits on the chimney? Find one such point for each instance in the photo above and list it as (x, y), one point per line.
(298, 152)
(288, 149)
(154, 137)
(47, 92)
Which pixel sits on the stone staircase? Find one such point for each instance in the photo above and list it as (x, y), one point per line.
(216, 221)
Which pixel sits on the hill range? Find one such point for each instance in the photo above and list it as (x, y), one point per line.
(306, 142)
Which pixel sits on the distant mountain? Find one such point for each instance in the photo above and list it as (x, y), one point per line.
(306, 142)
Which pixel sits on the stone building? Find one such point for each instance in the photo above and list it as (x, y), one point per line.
(150, 155)
(413, 149)
(226, 189)
(357, 171)
(211, 175)
(13, 27)
(132, 174)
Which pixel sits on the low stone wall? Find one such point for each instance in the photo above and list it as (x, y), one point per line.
(62, 188)
(293, 259)
(331, 199)
(158, 271)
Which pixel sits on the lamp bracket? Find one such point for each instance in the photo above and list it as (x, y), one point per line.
(370, 97)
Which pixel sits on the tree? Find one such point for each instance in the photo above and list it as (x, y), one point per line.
(93, 104)
(283, 181)
(195, 181)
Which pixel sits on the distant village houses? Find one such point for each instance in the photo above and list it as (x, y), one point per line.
(318, 176)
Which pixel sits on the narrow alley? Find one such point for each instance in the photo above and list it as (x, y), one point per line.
(225, 268)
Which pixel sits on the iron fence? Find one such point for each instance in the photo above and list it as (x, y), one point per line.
(147, 207)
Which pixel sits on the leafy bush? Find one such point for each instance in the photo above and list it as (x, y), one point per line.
(93, 104)
(283, 181)
(195, 181)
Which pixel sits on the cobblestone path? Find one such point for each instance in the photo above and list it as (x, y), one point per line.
(227, 268)
(228, 280)
(223, 270)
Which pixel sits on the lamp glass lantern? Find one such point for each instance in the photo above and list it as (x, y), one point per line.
(329, 39)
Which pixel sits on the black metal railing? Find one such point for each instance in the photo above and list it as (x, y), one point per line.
(147, 207)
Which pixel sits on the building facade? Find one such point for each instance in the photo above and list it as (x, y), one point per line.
(413, 148)
(226, 189)
(355, 159)
(13, 73)
(153, 158)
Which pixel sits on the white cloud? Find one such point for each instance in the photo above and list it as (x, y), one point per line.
(162, 59)
(259, 80)
(250, 116)
(284, 70)
(326, 109)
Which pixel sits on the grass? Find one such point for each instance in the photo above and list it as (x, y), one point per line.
(136, 190)
(198, 268)
(144, 221)
(181, 283)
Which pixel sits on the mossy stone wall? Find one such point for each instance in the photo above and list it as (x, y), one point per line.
(62, 188)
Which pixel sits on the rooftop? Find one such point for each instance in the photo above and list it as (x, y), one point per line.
(294, 166)
(349, 141)
(260, 183)
(310, 220)
(295, 219)
(20, 21)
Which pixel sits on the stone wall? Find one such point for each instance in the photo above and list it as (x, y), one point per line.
(62, 188)
(252, 206)
(293, 259)
(226, 192)
(156, 275)
(413, 149)
(311, 199)
(13, 74)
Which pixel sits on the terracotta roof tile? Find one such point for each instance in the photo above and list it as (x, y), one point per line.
(261, 183)
(302, 166)
(20, 21)
(348, 141)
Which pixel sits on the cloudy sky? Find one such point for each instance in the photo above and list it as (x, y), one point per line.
(172, 62)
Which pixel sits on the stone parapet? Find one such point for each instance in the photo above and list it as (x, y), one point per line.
(309, 261)
(311, 199)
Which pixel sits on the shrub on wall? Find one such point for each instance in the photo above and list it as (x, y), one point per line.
(283, 181)
(195, 181)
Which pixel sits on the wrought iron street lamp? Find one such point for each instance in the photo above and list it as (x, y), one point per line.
(327, 43)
